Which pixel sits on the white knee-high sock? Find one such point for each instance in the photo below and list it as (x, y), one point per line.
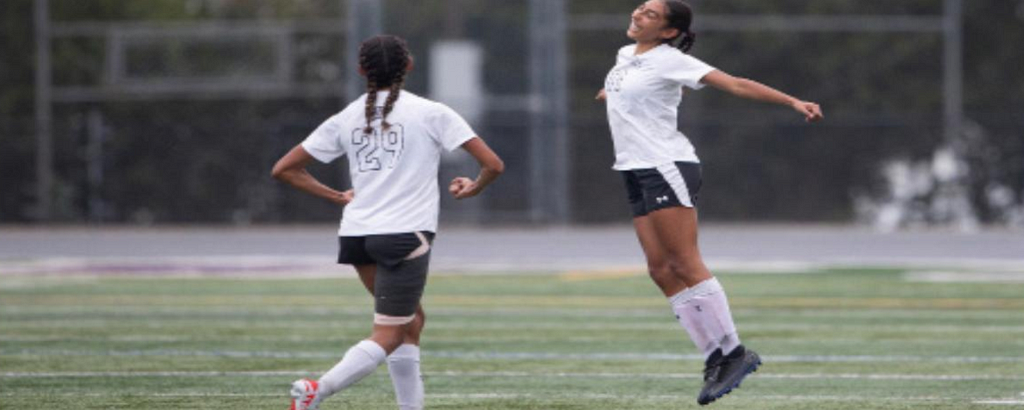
(359, 361)
(404, 366)
(703, 310)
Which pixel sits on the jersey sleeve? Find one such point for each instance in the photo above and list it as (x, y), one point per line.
(686, 70)
(324, 143)
(452, 130)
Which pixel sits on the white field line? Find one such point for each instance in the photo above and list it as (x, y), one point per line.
(307, 266)
(148, 312)
(760, 375)
(514, 356)
(1003, 402)
(338, 339)
(574, 375)
(46, 375)
(772, 358)
(593, 396)
(965, 277)
(320, 265)
(143, 394)
(506, 396)
(666, 325)
(1007, 402)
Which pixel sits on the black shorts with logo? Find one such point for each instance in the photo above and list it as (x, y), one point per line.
(673, 184)
(402, 264)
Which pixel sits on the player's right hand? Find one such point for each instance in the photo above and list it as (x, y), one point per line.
(462, 187)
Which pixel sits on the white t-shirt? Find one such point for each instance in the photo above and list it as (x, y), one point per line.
(394, 171)
(643, 96)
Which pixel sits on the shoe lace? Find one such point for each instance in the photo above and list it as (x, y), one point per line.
(711, 372)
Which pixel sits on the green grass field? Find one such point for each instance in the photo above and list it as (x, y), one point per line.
(836, 339)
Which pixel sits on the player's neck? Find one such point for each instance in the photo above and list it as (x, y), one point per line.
(643, 47)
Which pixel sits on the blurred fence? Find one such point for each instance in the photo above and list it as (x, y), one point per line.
(174, 111)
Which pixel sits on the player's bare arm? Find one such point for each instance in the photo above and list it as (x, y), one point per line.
(291, 169)
(750, 89)
(490, 168)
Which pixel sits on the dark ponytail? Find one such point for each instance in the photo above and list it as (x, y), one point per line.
(687, 42)
(384, 58)
(679, 17)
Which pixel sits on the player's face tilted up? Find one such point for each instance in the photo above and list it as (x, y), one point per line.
(662, 174)
(393, 140)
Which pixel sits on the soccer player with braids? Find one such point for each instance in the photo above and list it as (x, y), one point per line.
(393, 140)
(663, 176)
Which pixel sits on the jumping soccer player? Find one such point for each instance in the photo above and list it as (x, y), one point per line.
(663, 176)
(393, 140)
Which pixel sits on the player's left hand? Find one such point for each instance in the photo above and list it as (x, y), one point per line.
(345, 197)
(811, 111)
(462, 187)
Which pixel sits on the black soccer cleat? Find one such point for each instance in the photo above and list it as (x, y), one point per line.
(724, 373)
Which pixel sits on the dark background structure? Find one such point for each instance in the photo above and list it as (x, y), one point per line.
(199, 150)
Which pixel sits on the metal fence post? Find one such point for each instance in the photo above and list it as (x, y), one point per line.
(364, 20)
(549, 114)
(43, 113)
(952, 70)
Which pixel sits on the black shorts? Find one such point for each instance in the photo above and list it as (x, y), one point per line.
(651, 189)
(402, 262)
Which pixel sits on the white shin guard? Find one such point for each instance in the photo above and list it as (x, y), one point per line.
(703, 310)
(404, 366)
(359, 361)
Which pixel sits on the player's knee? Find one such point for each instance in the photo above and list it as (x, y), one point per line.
(421, 319)
(661, 273)
(681, 268)
(416, 326)
(690, 271)
(658, 269)
(683, 257)
(389, 336)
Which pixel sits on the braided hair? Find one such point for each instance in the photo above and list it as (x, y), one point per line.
(680, 16)
(384, 58)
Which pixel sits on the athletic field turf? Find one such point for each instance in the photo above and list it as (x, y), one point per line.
(834, 339)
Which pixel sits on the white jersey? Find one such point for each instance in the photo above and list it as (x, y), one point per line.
(394, 171)
(643, 96)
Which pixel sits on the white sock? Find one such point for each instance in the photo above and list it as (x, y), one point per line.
(704, 312)
(359, 361)
(404, 366)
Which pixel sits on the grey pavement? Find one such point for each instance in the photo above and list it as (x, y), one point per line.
(277, 248)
